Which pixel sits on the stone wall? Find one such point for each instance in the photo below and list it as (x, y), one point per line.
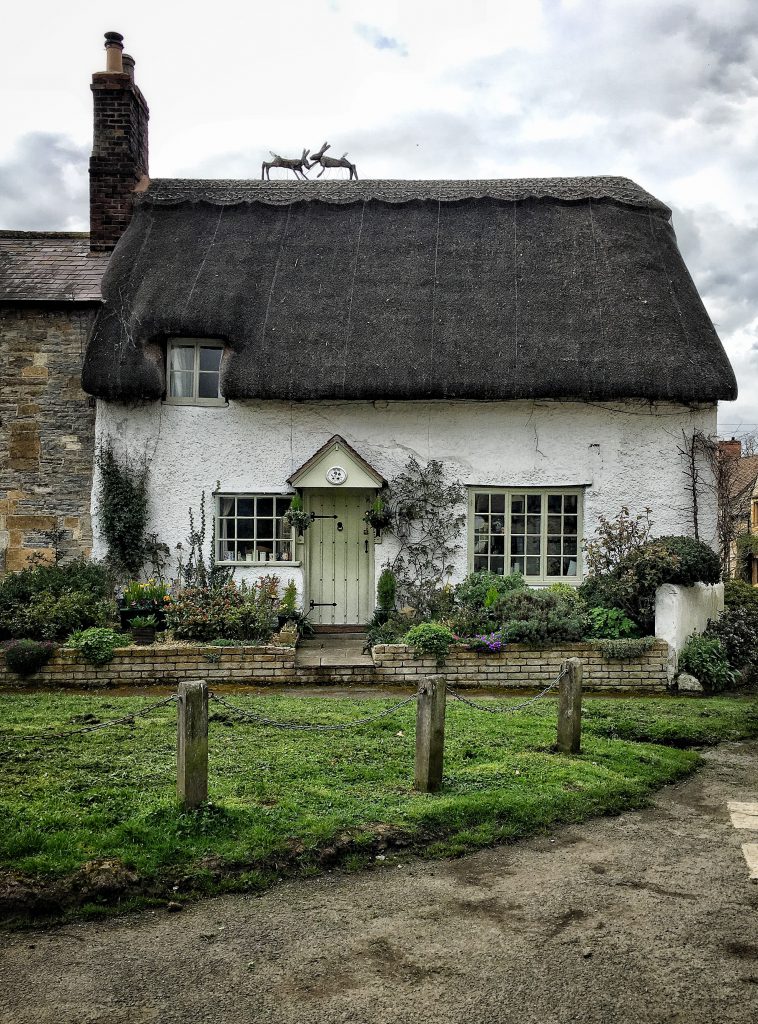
(47, 428)
(520, 667)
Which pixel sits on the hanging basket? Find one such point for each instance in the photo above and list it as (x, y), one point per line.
(298, 520)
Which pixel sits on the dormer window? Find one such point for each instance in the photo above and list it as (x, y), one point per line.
(194, 372)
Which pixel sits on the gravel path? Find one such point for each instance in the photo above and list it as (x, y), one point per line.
(649, 917)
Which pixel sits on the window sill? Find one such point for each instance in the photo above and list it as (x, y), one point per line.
(257, 565)
(197, 403)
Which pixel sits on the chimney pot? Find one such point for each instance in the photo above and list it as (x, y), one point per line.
(128, 62)
(114, 44)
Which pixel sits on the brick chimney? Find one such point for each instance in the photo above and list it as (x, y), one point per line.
(119, 145)
(730, 449)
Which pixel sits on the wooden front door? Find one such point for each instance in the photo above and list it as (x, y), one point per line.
(339, 558)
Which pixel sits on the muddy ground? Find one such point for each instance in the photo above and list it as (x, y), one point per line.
(649, 917)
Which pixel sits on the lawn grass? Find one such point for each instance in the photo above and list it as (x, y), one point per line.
(290, 801)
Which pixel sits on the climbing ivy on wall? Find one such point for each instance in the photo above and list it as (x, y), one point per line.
(122, 510)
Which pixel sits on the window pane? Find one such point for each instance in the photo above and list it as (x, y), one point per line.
(533, 524)
(553, 524)
(517, 565)
(497, 545)
(517, 545)
(481, 502)
(226, 506)
(532, 567)
(183, 357)
(517, 503)
(532, 545)
(569, 525)
(265, 507)
(534, 503)
(570, 504)
(497, 565)
(210, 358)
(569, 546)
(481, 524)
(282, 504)
(497, 503)
(480, 563)
(246, 529)
(207, 385)
(265, 529)
(518, 524)
(245, 506)
(553, 502)
(553, 566)
(569, 567)
(496, 525)
(554, 545)
(180, 384)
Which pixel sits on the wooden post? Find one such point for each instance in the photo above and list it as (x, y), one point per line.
(430, 733)
(570, 707)
(192, 744)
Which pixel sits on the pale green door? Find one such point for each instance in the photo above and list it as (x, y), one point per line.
(339, 558)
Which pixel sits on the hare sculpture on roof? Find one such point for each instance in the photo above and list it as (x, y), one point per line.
(329, 161)
(299, 167)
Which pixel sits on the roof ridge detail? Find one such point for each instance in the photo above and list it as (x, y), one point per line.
(227, 192)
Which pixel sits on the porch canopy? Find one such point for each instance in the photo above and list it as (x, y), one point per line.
(548, 288)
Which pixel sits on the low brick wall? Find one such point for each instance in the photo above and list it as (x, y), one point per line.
(519, 666)
(527, 667)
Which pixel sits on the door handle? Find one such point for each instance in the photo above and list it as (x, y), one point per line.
(366, 543)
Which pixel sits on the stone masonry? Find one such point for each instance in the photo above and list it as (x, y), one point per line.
(519, 667)
(46, 433)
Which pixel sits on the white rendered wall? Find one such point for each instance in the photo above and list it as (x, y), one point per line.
(682, 611)
(622, 453)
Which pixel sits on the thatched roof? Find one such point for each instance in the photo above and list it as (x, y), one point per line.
(49, 266)
(554, 288)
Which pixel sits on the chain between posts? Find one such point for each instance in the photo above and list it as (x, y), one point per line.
(511, 708)
(45, 736)
(307, 726)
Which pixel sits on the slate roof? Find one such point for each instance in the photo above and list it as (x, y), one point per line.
(46, 266)
(745, 476)
(554, 288)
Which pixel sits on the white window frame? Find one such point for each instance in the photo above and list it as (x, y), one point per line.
(197, 344)
(543, 579)
(254, 495)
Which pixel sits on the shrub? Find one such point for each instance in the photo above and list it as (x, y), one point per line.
(96, 645)
(539, 616)
(49, 601)
(628, 647)
(738, 593)
(251, 621)
(200, 614)
(288, 603)
(386, 591)
(25, 657)
(481, 589)
(390, 632)
(430, 638)
(616, 539)
(737, 629)
(698, 563)
(611, 624)
(705, 658)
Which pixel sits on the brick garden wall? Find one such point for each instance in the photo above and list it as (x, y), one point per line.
(519, 667)
(46, 432)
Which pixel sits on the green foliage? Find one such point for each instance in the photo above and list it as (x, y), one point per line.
(222, 642)
(144, 622)
(122, 509)
(96, 645)
(50, 601)
(525, 616)
(288, 603)
(296, 517)
(737, 629)
(698, 562)
(611, 624)
(615, 539)
(150, 594)
(480, 590)
(25, 657)
(737, 593)
(237, 613)
(705, 658)
(430, 638)
(196, 572)
(631, 584)
(427, 517)
(386, 591)
(390, 631)
(625, 648)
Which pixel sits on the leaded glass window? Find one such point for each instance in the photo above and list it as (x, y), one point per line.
(251, 528)
(532, 532)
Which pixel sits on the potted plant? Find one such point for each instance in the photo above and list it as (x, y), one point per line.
(378, 516)
(143, 629)
(297, 517)
(148, 598)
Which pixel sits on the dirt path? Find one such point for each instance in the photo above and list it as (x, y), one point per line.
(645, 918)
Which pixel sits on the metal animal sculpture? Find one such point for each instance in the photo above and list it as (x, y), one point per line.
(298, 166)
(329, 161)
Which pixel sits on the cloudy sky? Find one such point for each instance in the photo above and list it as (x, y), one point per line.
(661, 91)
